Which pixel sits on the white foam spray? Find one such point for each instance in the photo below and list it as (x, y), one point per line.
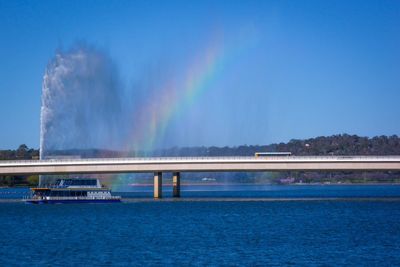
(81, 101)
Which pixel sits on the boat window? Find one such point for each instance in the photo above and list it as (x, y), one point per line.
(76, 182)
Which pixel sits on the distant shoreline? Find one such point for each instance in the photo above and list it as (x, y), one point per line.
(240, 199)
(239, 184)
(261, 184)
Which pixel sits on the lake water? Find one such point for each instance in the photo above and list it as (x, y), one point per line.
(278, 225)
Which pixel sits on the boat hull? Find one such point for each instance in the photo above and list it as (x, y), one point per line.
(70, 201)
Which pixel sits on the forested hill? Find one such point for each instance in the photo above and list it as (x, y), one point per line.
(21, 153)
(332, 145)
(343, 144)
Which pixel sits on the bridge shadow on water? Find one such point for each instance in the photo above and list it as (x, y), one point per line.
(245, 192)
(251, 191)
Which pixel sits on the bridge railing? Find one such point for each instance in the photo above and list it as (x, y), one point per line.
(144, 159)
(203, 158)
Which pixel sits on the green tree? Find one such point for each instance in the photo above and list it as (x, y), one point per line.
(33, 180)
(22, 151)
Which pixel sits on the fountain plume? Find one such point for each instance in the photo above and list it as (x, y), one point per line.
(81, 101)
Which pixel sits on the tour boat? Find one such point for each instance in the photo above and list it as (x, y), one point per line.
(77, 190)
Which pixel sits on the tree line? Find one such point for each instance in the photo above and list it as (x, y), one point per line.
(342, 144)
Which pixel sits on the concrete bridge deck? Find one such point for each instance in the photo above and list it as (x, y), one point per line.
(199, 164)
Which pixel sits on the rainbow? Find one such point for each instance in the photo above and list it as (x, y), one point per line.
(153, 117)
(152, 120)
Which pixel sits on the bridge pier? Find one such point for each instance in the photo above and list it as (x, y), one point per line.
(176, 184)
(157, 185)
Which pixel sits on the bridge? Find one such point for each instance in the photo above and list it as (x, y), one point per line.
(176, 165)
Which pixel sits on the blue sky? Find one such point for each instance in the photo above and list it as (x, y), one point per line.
(300, 68)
